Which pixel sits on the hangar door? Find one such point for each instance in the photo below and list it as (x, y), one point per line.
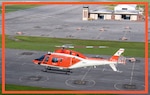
(117, 17)
(101, 16)
(107, 17)
(94, 16)
(125, 17)
(133, 17)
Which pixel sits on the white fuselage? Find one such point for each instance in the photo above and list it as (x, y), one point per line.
(88, 62)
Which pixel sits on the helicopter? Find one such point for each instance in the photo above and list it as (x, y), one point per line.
(65, 60)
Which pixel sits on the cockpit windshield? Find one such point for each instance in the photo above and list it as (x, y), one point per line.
(41, 58)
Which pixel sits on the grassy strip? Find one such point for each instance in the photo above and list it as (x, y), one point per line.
(135, 49)
(12, 87)
(16, 7)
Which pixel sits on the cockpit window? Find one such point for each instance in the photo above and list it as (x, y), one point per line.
(46, 59)
(41, 58)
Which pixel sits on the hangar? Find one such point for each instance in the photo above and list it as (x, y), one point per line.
(120, 12)
(101, 14)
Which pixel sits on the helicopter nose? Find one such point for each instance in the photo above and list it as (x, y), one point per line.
(35, 61)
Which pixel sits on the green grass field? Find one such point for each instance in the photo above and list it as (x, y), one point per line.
(12, 87)
(16, 7)
(132, 49)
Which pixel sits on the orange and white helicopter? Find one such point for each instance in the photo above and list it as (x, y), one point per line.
(66, 59)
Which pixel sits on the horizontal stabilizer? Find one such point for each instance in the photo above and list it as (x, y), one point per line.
(113, 67)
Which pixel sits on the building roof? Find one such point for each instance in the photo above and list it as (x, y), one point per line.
(126, 12)
(126, 9)
(101, 11)
(119, 11)
(127, 5)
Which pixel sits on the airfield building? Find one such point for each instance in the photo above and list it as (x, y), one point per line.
(120, 12)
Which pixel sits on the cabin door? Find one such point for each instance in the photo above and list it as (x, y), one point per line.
(46, 59)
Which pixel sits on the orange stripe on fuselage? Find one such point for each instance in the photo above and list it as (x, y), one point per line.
(114, 58)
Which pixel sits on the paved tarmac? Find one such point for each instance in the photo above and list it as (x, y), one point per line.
(65, 21)
(20, 70)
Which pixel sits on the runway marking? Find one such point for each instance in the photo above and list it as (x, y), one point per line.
(125, 81)
(71, 35)
(115, 86)
(98, 36)
(125, 34)
(86, 73)
(69, 82)
(24, 78)
(132, 72)
(79, 86)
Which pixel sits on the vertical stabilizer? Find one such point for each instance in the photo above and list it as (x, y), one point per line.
(117, 54)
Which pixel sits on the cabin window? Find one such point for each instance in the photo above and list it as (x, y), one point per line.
(60, 60)
(55, 60)
(46, 59)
